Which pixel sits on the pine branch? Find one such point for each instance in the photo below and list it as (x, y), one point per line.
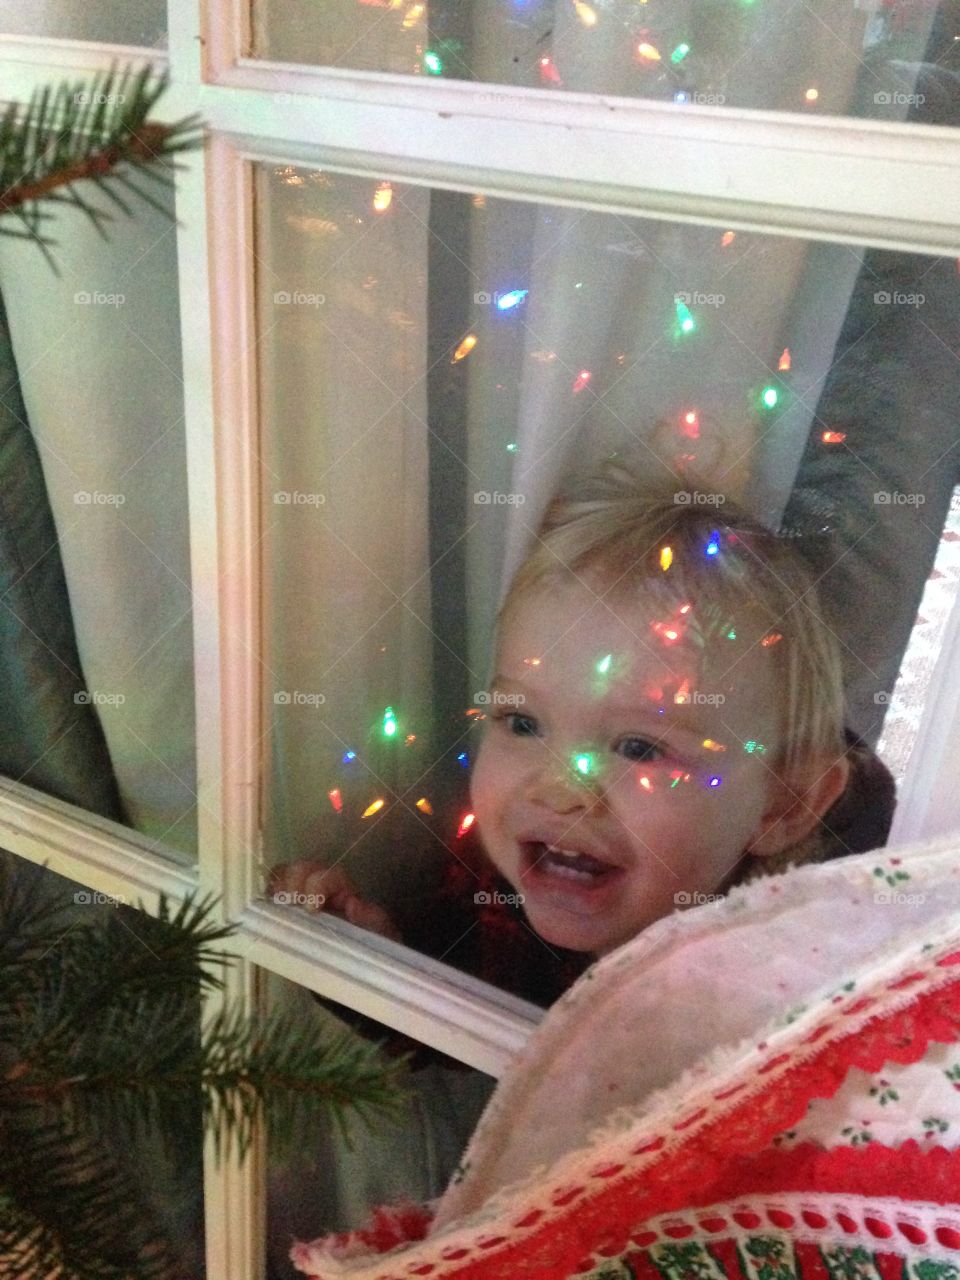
(294, 1077)
(76, 979)
(93, 132)
(68, 1210)
(101, 1047)
(135, 1071)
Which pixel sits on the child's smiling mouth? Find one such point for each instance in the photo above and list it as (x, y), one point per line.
(570, 877)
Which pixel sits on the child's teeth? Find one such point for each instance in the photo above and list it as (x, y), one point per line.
(585, 876)
(588, 868)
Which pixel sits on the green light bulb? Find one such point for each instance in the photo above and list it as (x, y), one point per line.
(770, 397)
(685, 320)
(433, 63)
(603, 666)
(680, 52)
(389, 723)
(584, 763)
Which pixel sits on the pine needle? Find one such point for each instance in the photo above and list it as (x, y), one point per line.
(98, 132)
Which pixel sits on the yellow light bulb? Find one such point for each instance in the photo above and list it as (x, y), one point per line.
(465, 347)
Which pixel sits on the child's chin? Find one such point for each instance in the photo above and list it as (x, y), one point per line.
(570, 937)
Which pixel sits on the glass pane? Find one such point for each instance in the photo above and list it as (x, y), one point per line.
(889, 59)
(433, 367)
(96, 634)
(135, 22)
(330, 1182)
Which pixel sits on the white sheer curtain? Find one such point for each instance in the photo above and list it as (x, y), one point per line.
(102, 386)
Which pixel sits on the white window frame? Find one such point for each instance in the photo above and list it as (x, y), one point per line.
(883, 184)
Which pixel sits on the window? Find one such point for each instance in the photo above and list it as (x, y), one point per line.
(357, 216)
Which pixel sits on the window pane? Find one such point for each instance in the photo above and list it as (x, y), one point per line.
(433, 365)
(96, 631)
(328, 1184)
(136, 22)
(890, 61)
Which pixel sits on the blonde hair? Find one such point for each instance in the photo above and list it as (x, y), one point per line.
(611, 526)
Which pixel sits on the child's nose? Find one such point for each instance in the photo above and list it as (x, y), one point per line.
(564, 786)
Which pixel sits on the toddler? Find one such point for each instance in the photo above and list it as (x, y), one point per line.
(666, 719)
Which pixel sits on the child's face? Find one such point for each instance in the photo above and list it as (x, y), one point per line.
(587, 761)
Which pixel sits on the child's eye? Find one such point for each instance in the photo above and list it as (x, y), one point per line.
(641, 750)
(513, 719)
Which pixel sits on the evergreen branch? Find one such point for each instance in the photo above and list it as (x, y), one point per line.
(102, 968)
(69, 1211)
(73, 133)
(293, 1077)
(25, 1245)
(132, 1071)
(101, 1045)
(135, 1070)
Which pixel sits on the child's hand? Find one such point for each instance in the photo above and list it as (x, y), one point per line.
(325, 888)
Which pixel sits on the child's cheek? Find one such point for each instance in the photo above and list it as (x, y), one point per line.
(668, 815)
(486, 798)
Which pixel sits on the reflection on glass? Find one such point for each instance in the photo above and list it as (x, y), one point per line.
(890, 59)
(434, 366)
(135, 22)
(96, 643)
(330, 1182)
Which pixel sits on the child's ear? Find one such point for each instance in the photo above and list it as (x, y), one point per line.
(797, 804)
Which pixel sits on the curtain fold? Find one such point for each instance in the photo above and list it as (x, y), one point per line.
(98, 347)
(50, 738)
